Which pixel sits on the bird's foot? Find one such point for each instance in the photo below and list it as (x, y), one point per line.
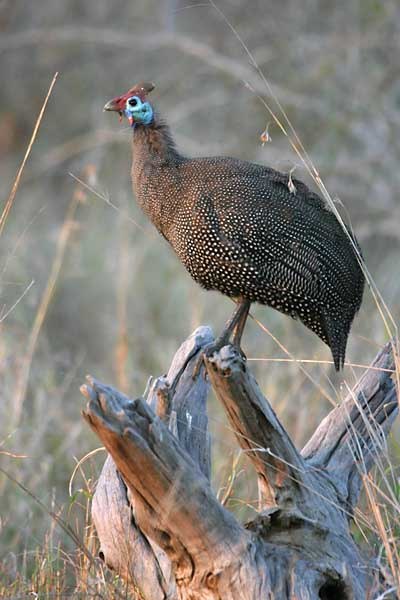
(208, 351)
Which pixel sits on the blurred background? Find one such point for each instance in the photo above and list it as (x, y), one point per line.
(84, 289)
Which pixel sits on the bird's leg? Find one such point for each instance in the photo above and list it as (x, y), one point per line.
(239, 327)
(233, 328)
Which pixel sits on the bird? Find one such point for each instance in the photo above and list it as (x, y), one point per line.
(246, 230)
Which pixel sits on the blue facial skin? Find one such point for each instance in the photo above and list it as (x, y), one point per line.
(140, 112)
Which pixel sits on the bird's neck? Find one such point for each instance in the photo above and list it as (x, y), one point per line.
(153, 144)
(155, 169)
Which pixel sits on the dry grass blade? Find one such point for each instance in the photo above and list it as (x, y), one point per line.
(121, 352)
(80, 463)
(311, 361)
(91, 189)
(388, 541)
(12, 454)
(290, 132)
(44, 305)
(64, 526)
(9, 311)
(291, 357)
(11, 197)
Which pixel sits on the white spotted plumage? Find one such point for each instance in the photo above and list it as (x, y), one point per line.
(238, 228)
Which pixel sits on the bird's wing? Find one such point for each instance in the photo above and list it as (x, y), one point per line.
(289, 236)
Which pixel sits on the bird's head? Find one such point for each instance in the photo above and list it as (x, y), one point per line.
(134, 104)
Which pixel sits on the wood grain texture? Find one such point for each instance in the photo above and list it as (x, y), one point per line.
(157, 517)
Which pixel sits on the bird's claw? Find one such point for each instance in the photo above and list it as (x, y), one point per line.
(208, 351)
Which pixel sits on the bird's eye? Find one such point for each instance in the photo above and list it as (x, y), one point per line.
(132, 102)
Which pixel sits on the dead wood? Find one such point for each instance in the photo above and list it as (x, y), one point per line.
(162, 528)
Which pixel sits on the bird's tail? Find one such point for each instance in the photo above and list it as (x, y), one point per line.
(337, 331)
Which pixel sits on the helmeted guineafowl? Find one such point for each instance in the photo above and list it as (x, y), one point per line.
(240, 228)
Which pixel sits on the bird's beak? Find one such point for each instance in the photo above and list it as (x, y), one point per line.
(113, 105)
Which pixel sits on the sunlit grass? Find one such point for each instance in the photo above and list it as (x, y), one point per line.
(112, 300)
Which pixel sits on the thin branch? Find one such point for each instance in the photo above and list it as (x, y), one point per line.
(280, 468)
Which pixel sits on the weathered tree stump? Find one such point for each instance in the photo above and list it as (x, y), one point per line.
(162, 528)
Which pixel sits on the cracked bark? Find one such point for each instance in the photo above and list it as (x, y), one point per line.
(159, 523)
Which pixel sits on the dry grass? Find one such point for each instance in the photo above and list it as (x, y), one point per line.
(96, 306)
(10, 200)
(49, 570)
